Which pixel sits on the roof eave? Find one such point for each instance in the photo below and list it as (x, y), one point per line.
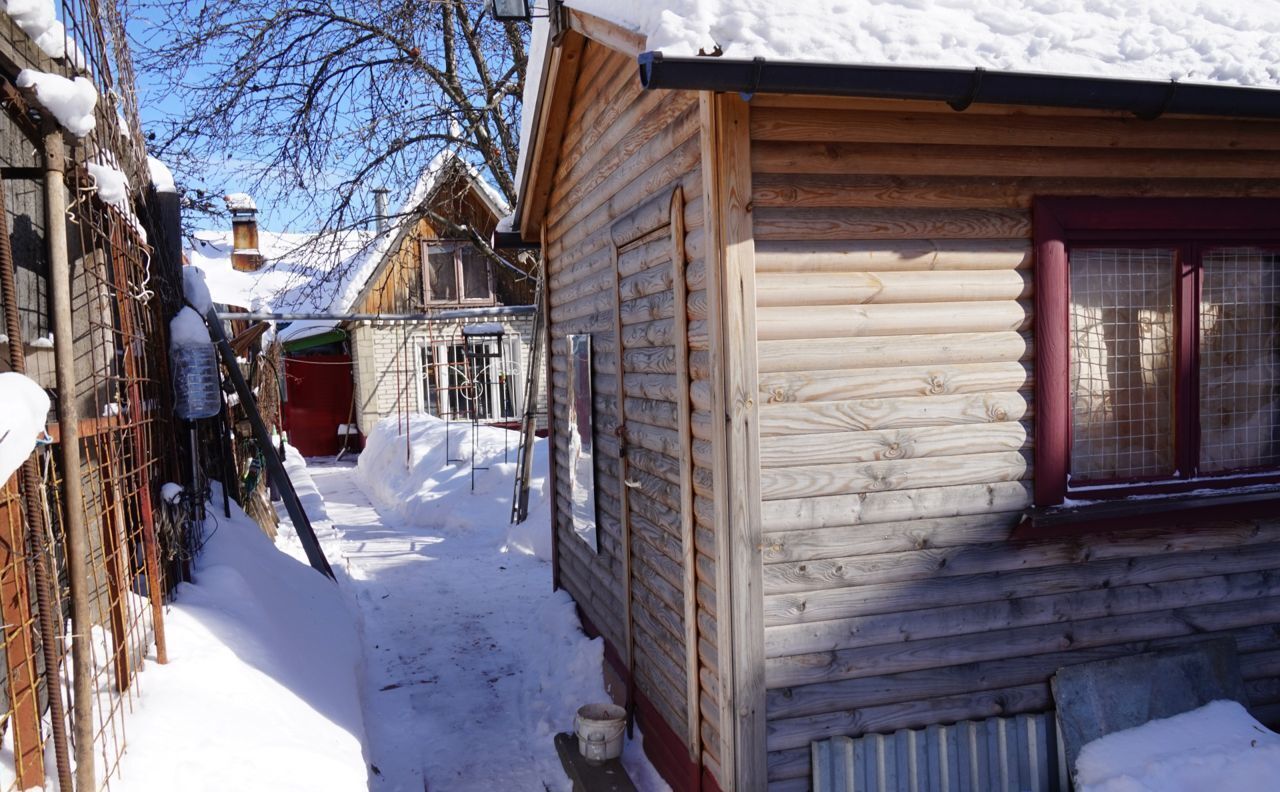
(957, 87)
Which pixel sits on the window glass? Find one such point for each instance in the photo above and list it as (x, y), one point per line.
(458, 382)
(1239, 380)
(475, 274)
(428, 380)
(1122, 333)
(444, 279)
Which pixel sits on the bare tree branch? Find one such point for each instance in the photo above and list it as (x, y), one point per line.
(316, 103)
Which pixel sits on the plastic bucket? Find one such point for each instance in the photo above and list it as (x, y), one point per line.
(599, 728)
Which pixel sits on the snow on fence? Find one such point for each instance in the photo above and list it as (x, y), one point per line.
(96, 540)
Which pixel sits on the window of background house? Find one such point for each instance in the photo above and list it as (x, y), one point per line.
(1156, 336)
(457, 273)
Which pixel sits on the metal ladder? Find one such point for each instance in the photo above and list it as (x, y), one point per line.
(529, 422)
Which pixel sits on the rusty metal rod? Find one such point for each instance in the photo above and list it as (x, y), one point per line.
(77, 543)
(47, 610)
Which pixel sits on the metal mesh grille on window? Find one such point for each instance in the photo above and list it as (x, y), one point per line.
(1122, 334)
(1239, 403)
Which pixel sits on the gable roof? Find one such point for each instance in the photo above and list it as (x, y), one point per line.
(326, 271)
(435, 176)
(303, 272)
(1141, 56)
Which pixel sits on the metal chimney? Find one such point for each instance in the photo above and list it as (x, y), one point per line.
(380, 208)
(245, 256)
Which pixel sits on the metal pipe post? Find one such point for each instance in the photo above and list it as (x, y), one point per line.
(77, 543)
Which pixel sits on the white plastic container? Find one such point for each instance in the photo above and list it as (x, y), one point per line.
(599, 728)
(196, 391)
(194, 363)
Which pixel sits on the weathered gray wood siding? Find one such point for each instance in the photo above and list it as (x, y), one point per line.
(895, 384)
(624, 147)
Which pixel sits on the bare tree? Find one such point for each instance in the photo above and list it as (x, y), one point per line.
(323, 101)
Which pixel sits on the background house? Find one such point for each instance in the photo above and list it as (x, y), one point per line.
(247, 268)
(463, 355)
(467, 357)
(820, 345)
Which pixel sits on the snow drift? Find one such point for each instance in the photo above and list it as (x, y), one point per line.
(261, 689)
(1216, 747)
(409, 475)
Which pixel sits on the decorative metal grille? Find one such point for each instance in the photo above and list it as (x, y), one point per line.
(1239, 360)
(1122, 333)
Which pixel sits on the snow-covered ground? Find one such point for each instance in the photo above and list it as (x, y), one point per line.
(1216, 747)
(473, 663)
(261, 691)
(441, 660)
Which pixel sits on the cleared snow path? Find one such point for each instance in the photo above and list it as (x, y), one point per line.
(469, 654)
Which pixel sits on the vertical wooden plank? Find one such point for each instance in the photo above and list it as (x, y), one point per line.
(733, 152)
(549, 375)
(709, 125)
(624, 515)
(19, 648)
(684, 409)
(1052, 325)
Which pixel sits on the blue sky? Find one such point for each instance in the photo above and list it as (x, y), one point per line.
(235, 173)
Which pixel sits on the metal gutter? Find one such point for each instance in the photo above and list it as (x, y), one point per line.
(957, 87)
(297, 316)
(511, 240)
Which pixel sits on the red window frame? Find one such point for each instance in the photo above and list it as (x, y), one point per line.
(1183, 225)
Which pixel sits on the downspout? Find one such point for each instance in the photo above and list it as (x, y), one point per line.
(69, 454)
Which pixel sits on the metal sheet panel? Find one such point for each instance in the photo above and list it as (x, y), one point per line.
(1017, 754)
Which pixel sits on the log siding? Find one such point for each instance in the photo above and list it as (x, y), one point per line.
(894, 313)
(626, 263)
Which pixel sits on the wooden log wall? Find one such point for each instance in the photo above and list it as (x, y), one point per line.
(894, 315)
(612, 271)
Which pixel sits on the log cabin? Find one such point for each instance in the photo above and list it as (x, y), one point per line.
(892, 372)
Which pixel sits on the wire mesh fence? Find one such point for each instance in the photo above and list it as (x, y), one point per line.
(125, 282)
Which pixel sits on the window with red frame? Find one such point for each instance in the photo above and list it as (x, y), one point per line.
(1156, 339)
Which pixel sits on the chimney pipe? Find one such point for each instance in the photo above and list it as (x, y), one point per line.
(245, 256)
(380, 208)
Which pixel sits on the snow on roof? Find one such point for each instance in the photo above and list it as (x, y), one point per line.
(426, 186)
(240, 202)
(315, 272)
(161, 176)
(304, 272)
(439, 167)
(1185, 40)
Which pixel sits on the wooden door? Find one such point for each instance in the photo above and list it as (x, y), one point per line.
(654, 441)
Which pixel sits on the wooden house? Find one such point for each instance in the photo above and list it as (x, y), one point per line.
(467, 359)
(459, 319)
(857, 368)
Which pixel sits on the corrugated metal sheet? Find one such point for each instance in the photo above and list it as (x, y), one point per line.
(1018, 754)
